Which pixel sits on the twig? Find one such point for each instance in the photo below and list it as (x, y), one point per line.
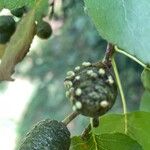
(86, 132)
(121, 94)
(95, 122)
(106, 62)
(108, 54)
(51, 13)
(69, 118)
(131, 57)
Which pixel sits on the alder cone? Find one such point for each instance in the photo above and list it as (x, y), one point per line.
(47, 135)
(92, 90)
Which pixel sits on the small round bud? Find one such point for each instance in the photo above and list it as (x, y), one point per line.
(86, 64)
(74, 108)
(77, 78)
(110, 80)
(93, 75)
(68, 84)
(70, 74)
(89, 72)
(78, 105)
(77, 68)
(78, 92)
(104, 104)
(101, 71)
(67, 94)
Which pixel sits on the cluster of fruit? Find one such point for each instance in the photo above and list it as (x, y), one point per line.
(8, 25)
(92, 91)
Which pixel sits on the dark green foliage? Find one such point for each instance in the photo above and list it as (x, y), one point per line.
(19, 11)
(91, 89)
(7, 24)
(44, 30)
(47, 135)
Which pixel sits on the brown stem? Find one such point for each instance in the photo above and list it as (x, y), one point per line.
(52, 9)
(108, 54)
(95, 122)
(69, 118)
(106, 63)
(85, 133)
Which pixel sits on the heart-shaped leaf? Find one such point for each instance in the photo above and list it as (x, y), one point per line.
(124, 23)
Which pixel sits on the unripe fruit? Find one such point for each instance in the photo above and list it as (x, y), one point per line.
(44, 30)
(47, 135)
(92, 90)
(4, 38)
(7, 24)
(19, 11)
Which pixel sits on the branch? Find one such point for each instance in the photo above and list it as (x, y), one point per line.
(121, 94)
(69, 118)
(131, 57)
(85, 133)
(108, 54)
(106, 62)
(51, 13)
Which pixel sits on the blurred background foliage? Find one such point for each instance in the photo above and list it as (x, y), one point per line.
(75, 41)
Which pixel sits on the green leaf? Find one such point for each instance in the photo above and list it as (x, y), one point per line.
(145, 102)
(137, 126)
(145, 77)
(12, 4)
(40, 6)
(116, 141)
(18, 46)
(123, 23)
